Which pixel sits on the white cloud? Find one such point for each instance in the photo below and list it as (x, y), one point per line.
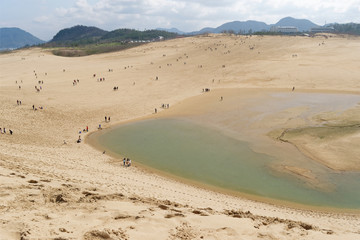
(186, 15)
(191, 15)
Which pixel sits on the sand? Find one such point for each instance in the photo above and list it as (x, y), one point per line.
(52, 190)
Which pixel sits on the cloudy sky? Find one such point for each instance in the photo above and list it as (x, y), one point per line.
(44, 18)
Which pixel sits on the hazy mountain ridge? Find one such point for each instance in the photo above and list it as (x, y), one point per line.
(11, 38)
(251, 26)
(172, 30)
(303, 25)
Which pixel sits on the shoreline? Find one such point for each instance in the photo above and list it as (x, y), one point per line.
(91, 140)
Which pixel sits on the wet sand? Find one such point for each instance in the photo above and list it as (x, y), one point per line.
(54, 190)
(243, 115)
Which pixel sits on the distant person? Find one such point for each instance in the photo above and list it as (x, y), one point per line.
(124, 162)
(109, 119)
(155, 110)
(105, 119)
(293, 88)
(10, 131)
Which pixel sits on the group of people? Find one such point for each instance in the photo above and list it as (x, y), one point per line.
(18, 102)
(34, 108)
(165, 105)
(107, 119)
(3, 131)
(126, 162)
(206, 90)
(75, 82)
(38, 88)
(84, 130)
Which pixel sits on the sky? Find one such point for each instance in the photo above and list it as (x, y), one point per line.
(44, 18)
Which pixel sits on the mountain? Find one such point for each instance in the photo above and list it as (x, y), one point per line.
(202, 31)
(256, 26)
(11, 38)
(83, 35)
(303, 25)
(236, 27)
(78, 33)
(172, 30)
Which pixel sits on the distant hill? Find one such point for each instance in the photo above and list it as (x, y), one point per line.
(256, 26)
(11, 38)
(172, 30)
(81, 34)
(245, 27)
(303, 25)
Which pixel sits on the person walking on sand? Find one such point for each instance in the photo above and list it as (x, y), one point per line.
(105, 119)
(155, 110)
(109, 118)
(124, 162)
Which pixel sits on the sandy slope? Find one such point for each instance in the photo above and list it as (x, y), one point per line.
(51, 190)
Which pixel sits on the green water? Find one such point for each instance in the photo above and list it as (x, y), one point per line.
(191, 151)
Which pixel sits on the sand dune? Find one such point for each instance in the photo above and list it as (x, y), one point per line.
(52, 190)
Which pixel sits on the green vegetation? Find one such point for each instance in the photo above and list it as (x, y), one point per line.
(91, 49)
(77, 35)
(81, 40)
(134, 35)
(348, 28)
